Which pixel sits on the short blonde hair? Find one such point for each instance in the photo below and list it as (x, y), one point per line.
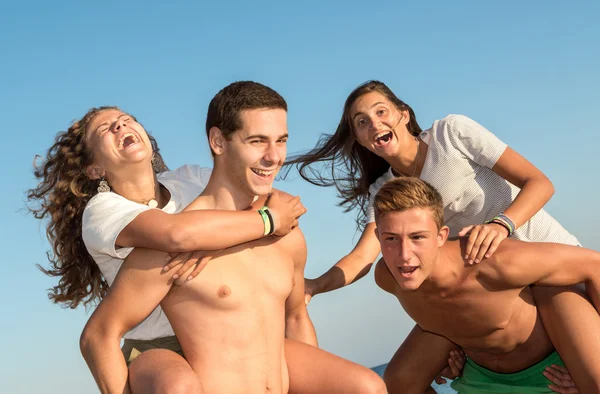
(401, 194)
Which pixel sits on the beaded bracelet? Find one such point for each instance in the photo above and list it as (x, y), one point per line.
(505, 222)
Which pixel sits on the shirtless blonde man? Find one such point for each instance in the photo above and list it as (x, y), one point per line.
(486, 309)
(242, 323)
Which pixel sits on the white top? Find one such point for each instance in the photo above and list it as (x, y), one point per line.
(106, 214)
(460, 157)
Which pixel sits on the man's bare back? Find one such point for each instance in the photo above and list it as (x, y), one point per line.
(498, 328)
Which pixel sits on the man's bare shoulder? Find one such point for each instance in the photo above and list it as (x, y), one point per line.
(294, 243)
(384, 278)
(508, 261)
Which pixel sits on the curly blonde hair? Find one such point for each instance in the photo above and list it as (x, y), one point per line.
(61, 195)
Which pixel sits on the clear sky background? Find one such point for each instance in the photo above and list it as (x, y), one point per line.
(528, 71)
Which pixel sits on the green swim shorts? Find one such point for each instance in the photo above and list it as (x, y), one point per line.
(132, 348)
(478, 380)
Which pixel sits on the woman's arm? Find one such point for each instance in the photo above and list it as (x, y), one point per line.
(206, 229)
(536, 190)
(350, 268)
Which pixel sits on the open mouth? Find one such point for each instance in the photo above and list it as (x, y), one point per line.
(381, 139)
(407, 271)
(263, 173)
(127, 140)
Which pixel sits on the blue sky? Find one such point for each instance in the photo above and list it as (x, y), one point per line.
(525, 70)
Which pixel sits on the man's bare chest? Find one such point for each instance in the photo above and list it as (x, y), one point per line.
(250, 273)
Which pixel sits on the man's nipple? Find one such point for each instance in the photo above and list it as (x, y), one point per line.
(224, 291)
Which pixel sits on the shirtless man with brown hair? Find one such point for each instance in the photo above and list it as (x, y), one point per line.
(486, 309)
(242, 323)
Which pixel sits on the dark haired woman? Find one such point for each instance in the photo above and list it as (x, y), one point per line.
(490, 192)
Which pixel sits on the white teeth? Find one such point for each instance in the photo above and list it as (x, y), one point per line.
(262, 172)
(379, 135)
(125, 136)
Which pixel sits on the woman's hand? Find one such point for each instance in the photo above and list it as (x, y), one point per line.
(483, 240)
(456, 363)
(561, 379)
(285, 214)
(186, 261)
(310, 289)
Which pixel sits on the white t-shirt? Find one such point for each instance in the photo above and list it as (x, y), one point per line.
(107, 214)
(460, 157)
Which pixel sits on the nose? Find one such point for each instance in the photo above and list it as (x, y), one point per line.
(405, 253)
(273, 154)
(374, 123)
(119, 124)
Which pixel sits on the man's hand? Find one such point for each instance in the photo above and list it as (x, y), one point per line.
(456, 363)
(186, 261)
(483, 240)
(285, 214)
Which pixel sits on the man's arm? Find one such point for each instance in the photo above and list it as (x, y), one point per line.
(520, 264)
(137, 290)
(298, 325)
(421, 356)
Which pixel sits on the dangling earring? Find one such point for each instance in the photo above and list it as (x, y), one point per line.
(103, 186)
(155, 165)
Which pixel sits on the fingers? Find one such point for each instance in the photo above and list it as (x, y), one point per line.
(484, 246)
(471, 244)
(465, 231)
(307, 298)
(561, 380)
(192, 259)
(440, 380)
(483, 242)
(199, 267)
(178, 258)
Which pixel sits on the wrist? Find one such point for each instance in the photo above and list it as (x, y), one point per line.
(268, 222)
(504, 221)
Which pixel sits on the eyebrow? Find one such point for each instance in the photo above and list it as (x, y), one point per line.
(107, 122)
(412, 233)
(362, 113)
(264, 137)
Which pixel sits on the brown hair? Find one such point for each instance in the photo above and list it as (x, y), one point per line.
(350, 167)
(224, 109)
(402, 194)
(61, 196)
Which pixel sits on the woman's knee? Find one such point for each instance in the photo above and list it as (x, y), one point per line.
(372, 384)
(162, 372)
(182, 383)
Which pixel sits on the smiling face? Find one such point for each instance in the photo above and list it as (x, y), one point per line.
(253, 155)
(378, 125)
(410, 241)
(116, 139)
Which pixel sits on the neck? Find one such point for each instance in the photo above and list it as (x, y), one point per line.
(140, 186)
(448, 271)
(224, 194)
(407, 160)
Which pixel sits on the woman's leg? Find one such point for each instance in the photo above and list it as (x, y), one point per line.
(315, 371)
(161, 371)
(573, 325)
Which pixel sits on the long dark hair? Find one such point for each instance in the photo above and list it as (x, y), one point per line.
(61, 196)
(346, 164)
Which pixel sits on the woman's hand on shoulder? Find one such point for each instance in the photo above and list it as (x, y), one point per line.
(483, 240)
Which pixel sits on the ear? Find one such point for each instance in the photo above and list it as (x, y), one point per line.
(94, 172)
(405, 116)
(376, 231)
(442, 236)
(216, 140)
